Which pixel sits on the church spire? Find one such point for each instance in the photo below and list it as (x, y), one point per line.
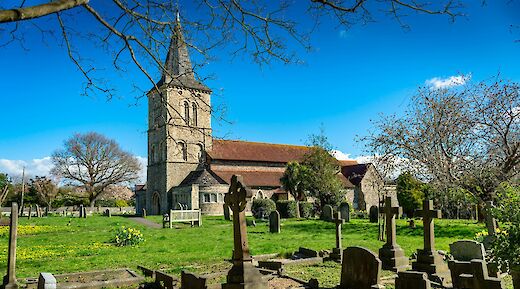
(178, 64)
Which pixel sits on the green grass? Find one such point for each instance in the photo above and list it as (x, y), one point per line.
(84, 244)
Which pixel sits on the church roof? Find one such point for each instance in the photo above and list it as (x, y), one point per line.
(202, 177)
(257, 178)
(355, 173)
(178, 70)
(234, 150)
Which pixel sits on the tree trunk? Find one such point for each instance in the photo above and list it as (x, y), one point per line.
(298, 209)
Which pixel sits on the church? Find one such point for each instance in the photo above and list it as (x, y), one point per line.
(189, 169)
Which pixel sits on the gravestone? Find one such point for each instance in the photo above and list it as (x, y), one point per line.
(46, 211)
(227, 216)
(467, 250)
(274, 222)
(360, 269)
(108, 213)
(463, 253)
(345, 211)
(84, 212)
(373, 214)
(337, 253)
(38, 213)
(30, 212)
(491, 223)
(412, 280)
(9, 281)
(391, 254)
(192, 281)
(428, 259)
(46, 281)
(165, 280)
(243, 274)
(143, 213)
(479, 279)
(327, 213)
(81, 211)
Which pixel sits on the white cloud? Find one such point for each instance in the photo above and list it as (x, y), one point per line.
(34, 167)
(42, 167)
(339, 155)
(455, 80)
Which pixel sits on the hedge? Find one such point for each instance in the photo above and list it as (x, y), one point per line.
(306, 210)
(261, 208)
(287, 209)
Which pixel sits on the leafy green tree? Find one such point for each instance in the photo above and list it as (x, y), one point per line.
(295, 180)
(409, 192)
(324, 183)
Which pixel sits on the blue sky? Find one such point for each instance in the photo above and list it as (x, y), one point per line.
(348, 78)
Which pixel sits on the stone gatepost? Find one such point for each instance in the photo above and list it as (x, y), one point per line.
(243, 274)
(428, 259)
(391, 254)
(10, 278)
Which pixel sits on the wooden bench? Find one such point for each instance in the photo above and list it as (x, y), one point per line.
(182, 216)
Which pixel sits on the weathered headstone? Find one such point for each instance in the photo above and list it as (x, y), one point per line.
(373, 214)
(467, 250)
(46, 281)
(84, 212)
(108, 213)
(143, 213)
(327, 213)
(480, 278)
(274, 222)
(412, 280)
(337, 253)
(391, 254)
(428, 259)
(81, 211)
(360, 269)
(344, 209)
(227, 214)
(9, 281)
(46, 211)
(192, 281)
(463, 253)
(491, 223)
(243, 274)
(168, 281)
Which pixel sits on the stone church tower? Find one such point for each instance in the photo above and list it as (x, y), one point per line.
(179, 126)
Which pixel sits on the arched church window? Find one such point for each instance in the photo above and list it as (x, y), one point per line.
(152, 154)
(200, 152)
(183, 150)
(195, 122)
(186, 112)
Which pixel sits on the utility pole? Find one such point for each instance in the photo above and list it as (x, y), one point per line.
(23, 190)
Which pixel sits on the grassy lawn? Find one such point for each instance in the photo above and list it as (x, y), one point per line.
(60, 245)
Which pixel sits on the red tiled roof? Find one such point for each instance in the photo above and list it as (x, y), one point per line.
(233, 150)
(264, 178)
(253, 178)
(255, 151)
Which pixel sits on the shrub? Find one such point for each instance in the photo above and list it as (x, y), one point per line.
(287, 209)
(121, 203)
(361, 215)
(261, 208)
(128, 237)
(306, 210)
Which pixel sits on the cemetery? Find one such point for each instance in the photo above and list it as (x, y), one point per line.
(74, 251)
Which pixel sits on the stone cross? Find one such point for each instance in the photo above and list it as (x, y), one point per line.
(243, 274)
(338, 221)
(428, 214)
(391, 254)
(10, 278)
(337, 253)
(390, 213)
